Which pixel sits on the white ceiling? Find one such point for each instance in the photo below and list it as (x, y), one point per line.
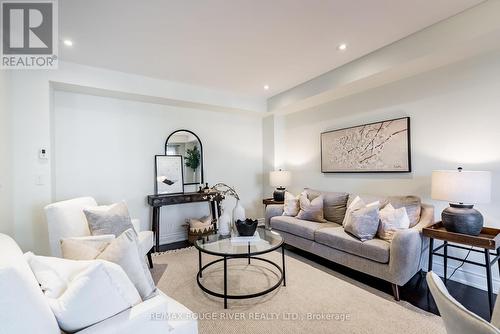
(239, 45)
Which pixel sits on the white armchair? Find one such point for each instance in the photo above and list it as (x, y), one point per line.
(66, 219)
(457, 319)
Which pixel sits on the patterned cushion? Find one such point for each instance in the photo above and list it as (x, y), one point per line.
(363, 222)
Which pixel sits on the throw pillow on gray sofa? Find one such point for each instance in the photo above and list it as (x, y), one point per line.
(413, 204)
(363, 223)
(291, 205)
(334, 204)
(311, 210)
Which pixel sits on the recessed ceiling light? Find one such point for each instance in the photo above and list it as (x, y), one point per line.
(68, 42)
(266, 87)
(342, 47)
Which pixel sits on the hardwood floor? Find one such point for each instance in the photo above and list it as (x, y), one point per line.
(414, 292)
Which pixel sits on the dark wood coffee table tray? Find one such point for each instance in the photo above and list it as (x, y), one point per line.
(489, 237)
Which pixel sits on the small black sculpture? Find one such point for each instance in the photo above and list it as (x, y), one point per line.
(247, 227)
(168, 182)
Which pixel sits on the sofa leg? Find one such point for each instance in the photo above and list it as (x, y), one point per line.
(395, 291)
(150, 260)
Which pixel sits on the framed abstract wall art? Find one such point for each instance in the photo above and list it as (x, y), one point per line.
(169, 177)
(381, 147)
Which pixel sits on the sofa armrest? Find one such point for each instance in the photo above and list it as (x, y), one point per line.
(408, 248)
(405, 254)
(160, 314)
(426, 217)
(273, 210)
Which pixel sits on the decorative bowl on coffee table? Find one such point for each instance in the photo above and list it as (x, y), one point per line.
(247, 227)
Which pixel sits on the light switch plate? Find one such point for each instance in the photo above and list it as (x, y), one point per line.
(43, 154)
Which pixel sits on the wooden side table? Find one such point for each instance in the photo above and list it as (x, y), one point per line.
(488, 239)
(269, 201)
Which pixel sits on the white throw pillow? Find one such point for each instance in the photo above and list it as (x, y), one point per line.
(291, 205)
(124, 251)
(97, 293)
(356, 204)
(392, 220)
(54, 274)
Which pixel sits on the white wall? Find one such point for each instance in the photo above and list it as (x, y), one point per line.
(455, 117)
(5, 155)
(30, 110)
(105, 147)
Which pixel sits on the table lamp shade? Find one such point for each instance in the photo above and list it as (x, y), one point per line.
(280, 178)
(456, 186)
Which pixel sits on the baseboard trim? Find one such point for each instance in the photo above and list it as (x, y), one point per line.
(181, 236)
(173, 237)
(468, 277)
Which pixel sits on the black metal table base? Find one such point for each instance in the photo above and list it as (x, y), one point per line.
(488, 263)
(225, 295)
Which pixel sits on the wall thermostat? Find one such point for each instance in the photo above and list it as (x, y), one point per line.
(42, 154)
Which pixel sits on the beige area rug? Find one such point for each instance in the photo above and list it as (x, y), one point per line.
(315, 300)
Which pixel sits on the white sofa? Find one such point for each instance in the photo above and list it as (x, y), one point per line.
(66, 219)
(24, 308)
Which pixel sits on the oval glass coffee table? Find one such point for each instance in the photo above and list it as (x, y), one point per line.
(226, 248)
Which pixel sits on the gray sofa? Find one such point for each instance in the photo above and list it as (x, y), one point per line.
(396, 261)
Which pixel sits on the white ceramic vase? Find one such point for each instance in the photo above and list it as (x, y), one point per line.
(224, 223)
(238, 212)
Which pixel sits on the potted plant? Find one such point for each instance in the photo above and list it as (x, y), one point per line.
(192, 159)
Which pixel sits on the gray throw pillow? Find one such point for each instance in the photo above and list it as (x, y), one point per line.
(108, 219)
(363, 223)
(311, 210)
(334, 204)
(124, 251)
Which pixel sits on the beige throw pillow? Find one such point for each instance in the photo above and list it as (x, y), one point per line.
(85, 248)
(124, 251)
(291, 206)
(108, 219)
(363, 222)
(392, 220)
(311, 210)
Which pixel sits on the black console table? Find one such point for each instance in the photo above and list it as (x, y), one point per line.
(213, 198)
